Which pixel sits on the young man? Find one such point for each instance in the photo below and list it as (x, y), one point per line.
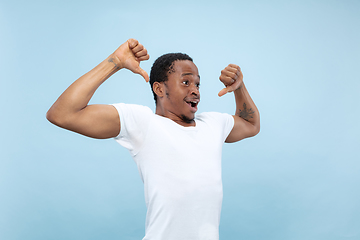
(177, 153)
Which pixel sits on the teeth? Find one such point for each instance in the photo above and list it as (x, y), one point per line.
(193, 102)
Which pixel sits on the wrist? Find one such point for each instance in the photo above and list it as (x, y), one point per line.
(114, 61)
(239, 88)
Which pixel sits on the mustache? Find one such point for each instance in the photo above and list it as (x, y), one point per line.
(192, 98)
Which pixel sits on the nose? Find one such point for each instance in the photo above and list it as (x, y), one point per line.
(194, 90)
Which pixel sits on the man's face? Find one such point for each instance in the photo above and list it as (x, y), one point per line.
(182, 90)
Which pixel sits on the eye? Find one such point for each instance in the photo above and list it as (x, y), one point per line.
(186, 82)
(197, 85)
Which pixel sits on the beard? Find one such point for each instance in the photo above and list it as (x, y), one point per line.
(186, 119)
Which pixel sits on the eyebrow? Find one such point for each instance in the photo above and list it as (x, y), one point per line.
(185, 74)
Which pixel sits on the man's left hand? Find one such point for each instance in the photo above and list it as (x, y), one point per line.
(232, 78)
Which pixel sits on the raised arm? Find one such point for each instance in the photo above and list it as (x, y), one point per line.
(247, 117)
(71, 110)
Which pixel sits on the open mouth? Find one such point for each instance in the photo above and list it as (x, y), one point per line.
(193, 104)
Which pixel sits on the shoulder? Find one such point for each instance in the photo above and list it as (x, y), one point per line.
(134, 121)
(124, 107)
(222, 123)
(133, 115)
(214, 116)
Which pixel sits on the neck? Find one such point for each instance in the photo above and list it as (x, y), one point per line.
(181, 120)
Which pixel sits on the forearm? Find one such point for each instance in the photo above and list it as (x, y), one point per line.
(77, 95)
(245, 107)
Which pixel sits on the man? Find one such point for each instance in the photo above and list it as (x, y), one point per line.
(178, 155)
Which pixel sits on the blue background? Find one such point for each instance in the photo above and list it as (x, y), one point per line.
(298, 179)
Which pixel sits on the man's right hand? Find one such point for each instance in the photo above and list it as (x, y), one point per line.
(129, 55)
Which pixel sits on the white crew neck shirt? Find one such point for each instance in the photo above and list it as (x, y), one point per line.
(180, 168)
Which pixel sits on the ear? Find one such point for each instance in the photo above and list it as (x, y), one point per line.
(159, 89)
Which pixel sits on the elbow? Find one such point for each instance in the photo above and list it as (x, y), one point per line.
(257, 126)
(54, 117)
(51, 116)
(256, 129)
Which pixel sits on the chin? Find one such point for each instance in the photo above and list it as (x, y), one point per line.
(187, 119)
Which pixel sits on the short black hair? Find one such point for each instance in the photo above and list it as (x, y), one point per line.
(164, 65)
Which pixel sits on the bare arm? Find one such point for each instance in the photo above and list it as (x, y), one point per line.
(71, 110)
(247, 117)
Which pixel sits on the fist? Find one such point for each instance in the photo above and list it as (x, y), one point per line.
(129, 55)
(232, 78)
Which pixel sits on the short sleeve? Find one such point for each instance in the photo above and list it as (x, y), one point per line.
(227, 123)
(134, 124)
(222, 122)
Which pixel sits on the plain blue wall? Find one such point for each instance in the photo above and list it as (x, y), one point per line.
(298, 179)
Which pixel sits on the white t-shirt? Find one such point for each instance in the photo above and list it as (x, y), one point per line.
(181, 170)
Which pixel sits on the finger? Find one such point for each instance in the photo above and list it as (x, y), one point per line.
(228, 74)
(143, 58)
(230, 71)
(132, 43)
(141, 53)
(227, 90)
(234, 66)
(234, 69)
(226, 80)
(232, 87)
(138, 48)
(228, 77)
(143, 73)
(223, 92)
